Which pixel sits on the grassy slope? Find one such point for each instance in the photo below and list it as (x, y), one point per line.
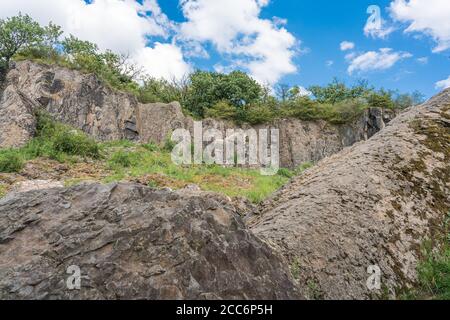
(127, 161)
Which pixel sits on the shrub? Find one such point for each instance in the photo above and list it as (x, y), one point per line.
(169, 144)
(257, 114)
(76, 143)
(10, 161)
(222, 110)
(381, 99)
(346, 111)
(56, 141)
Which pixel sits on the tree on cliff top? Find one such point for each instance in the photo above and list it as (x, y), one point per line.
(21, 33)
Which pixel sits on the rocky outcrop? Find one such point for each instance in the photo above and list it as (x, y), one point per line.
(81, 100)
(374, 204)
(133, 242)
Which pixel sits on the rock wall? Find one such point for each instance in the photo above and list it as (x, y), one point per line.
(82, 101)
(133, 242)
(375, 203)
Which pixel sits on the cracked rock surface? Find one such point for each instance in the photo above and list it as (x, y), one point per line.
(375, 203)
(133, 242)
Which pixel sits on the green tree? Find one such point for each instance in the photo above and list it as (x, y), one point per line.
(222, 110)
(208, 88)
(381, 99)
(115, 69)
(19, 33)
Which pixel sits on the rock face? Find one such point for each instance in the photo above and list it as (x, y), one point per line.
(373, 204)
(133, 242)
(81, 100)
(77, 99)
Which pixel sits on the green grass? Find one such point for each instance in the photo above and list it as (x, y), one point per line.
(53, 140)
(127, 161)
(11, 161)
(434, 275)
(139, 161)
(434, 271)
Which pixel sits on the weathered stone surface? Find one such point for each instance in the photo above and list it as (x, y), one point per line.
(133, 242)
(157, 121)
(17, 122)
(81, 100)
(31, 185)
(375, 203)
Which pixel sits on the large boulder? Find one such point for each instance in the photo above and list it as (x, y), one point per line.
(372, 205)
(133, 242)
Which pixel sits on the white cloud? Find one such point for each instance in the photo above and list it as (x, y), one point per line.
(347, 45)
(422, 60)
(264, 47)
(165, 60)
(381, 32)
(430, 17)
(443, 84)
(329, 63)
(383, 59)
(120, 25)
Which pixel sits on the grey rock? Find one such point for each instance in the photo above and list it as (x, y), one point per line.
(81, 100)
(133, 242)
(374, 203)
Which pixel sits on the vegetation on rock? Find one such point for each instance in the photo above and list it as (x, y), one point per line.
(235, 96)
(128, 161)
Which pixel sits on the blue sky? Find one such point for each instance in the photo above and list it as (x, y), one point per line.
(276, 41)
(321, 25)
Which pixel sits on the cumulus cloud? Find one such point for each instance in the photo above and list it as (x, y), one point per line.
(443, 84)
(347, 45)
(383, 59)
(263, 47)
(164, 60)
(430, 17)
(120, 25)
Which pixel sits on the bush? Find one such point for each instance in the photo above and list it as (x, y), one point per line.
(76, 143)
(346, 111)
(222, 110)
(381, 99)
(257, 114)
(10, 161)
(57, 141)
